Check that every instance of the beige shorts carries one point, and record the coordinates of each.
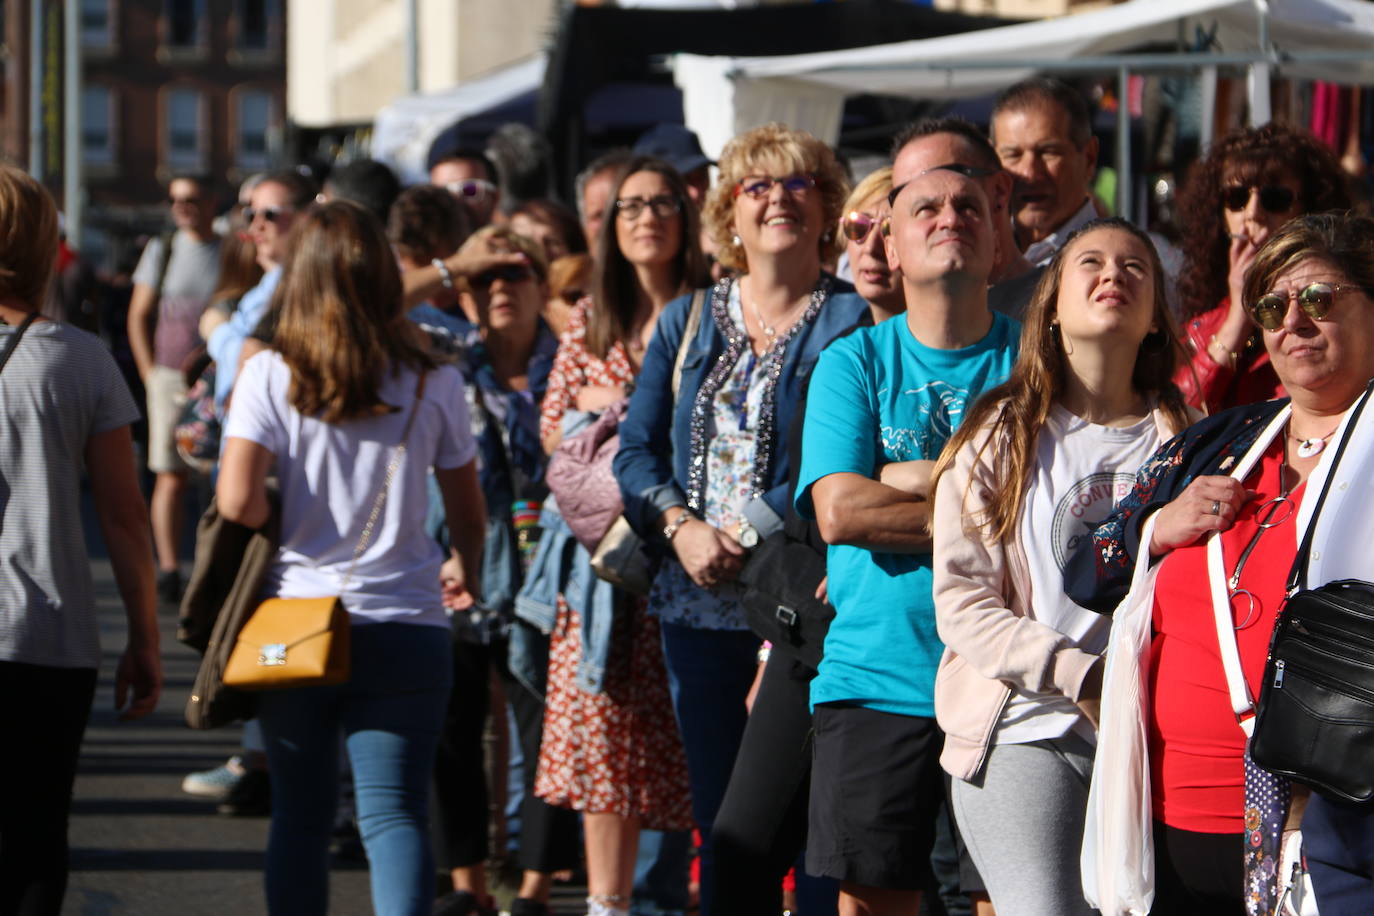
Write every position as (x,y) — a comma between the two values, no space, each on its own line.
(166,396)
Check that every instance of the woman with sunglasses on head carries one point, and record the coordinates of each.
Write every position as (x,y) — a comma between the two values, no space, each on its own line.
(1242,473)
(722,484)
(1037,463)
(611,748)
(1252,181)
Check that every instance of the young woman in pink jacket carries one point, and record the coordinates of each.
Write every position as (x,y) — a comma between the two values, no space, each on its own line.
(1036,465)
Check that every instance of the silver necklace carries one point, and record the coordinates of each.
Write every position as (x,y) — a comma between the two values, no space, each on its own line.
(769,330)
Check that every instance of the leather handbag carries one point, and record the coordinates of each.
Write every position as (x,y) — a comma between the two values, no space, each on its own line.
(779,596)
(622,559)
(580,477)
(304,642)
(1315,719)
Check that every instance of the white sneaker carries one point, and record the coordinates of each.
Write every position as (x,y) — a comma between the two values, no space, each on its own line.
(216,783)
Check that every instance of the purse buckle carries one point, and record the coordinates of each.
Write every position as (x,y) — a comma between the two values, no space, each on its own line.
(272,655)
(786,615)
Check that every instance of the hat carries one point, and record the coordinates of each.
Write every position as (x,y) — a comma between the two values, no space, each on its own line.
(676,144)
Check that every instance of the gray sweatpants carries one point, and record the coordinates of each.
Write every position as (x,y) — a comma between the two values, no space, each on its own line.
(1023,825)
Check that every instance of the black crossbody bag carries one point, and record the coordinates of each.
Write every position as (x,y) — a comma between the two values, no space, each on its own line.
(779,593)
(1315,717)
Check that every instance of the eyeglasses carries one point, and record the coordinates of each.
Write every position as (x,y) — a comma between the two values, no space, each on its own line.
(1315,300)
(571,294)
(758,186)
(471,188)
(857,225)
(1272,197)
(271,214)
(510,273)
(968,171)
(183,200)
(662,206)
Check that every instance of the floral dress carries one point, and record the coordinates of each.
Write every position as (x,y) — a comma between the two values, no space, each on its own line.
(617,751)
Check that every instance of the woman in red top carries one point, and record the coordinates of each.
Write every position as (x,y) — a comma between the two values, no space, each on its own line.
(1252,182)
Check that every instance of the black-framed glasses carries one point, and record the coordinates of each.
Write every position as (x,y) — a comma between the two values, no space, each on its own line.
(968,171)
(271,214)
(1272,197)
(1315,299)
(856,225)
(757,187)
(471,188)
(509,273)
(663,206)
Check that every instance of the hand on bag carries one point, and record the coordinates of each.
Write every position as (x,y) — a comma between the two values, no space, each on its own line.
(453,587)
(139,671)
(709,555)
(1207,504)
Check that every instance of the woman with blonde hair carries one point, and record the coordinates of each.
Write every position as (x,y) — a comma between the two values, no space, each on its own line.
(1036,464)
(722,485)
(65,409)
(350,414)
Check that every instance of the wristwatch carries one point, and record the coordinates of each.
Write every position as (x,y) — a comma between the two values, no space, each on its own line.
(748,536)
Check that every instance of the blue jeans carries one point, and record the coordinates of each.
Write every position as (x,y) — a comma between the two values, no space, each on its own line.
(1339,843)
(389,712)
(709,673)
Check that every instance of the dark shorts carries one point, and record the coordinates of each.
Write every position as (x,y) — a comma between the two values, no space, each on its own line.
(876,788)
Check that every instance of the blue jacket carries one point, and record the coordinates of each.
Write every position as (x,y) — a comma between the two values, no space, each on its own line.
(655,436)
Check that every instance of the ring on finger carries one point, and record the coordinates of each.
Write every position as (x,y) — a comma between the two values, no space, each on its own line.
(1216,507)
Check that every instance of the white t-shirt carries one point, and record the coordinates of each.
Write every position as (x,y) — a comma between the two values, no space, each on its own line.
(1082,471)
(329,477)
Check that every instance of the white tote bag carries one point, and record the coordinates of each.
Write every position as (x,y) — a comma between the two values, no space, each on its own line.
(1118,860)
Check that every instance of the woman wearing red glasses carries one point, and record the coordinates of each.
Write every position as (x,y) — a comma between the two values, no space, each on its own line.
(702,467)
(1252,182)
(864,226)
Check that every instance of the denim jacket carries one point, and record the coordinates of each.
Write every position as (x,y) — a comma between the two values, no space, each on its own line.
(656,436)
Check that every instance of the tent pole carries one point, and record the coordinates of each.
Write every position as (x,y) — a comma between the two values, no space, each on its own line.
(1207,107)
(1123,144)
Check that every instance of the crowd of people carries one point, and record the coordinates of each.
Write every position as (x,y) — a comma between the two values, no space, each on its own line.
(954,399)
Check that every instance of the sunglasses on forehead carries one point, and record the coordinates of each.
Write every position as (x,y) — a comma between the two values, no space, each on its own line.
(968,171)
(1272,197)
(1315,299)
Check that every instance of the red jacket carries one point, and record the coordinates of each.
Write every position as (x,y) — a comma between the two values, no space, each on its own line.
(1212,386)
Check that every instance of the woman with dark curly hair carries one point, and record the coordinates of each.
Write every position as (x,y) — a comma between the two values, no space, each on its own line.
(1254,179)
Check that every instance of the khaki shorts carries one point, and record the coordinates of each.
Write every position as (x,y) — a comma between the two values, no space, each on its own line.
(166,396)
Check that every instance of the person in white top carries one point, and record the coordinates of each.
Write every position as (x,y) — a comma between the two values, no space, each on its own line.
(1038,463)
(325,410)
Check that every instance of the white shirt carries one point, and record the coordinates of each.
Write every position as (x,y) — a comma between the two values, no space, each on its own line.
(1082,470)
(1039,253)
(329,476)
(1345,529)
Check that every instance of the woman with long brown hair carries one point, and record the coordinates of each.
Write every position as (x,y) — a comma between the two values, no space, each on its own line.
(1038,462)
(346,406)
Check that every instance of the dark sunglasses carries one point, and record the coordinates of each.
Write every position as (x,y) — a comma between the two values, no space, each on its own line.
(183,200)
(1274,198)
(510,273)
(968,171)
(758,186)
(271,214)
(1315,300)
(663,206)
(856,226)
(571,294)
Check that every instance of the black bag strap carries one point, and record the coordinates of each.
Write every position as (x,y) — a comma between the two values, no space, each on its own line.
(14,338)
(1297,577)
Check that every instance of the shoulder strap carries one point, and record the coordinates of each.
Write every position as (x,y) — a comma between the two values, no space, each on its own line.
(1297,577)
(14,338)
(689,332)
(167,239)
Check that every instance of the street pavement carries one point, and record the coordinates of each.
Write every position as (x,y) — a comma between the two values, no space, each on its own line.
(142,847)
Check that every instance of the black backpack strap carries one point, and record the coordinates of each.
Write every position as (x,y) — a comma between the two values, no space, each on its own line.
(14,338)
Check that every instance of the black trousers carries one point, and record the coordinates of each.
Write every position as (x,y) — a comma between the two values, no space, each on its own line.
(43,713)
(1197,874)
(549,838)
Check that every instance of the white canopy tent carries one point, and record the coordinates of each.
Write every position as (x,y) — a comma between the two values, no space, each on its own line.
(405,129)
(1314,39)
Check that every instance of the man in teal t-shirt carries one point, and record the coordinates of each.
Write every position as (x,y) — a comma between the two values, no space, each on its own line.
(882,403)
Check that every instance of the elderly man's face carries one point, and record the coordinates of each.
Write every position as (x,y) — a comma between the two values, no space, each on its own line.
(1051,172)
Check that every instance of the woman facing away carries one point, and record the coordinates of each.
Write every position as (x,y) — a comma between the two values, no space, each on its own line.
(1038,463)
(65,409)
(327,410)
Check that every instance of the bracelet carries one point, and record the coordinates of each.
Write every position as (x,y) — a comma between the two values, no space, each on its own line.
(677,523)
(446,275)
(1232,357)
(765,650)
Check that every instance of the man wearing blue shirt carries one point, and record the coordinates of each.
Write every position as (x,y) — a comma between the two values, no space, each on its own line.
(881,406)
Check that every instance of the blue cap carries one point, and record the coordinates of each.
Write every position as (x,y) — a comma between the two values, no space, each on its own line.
(675,144)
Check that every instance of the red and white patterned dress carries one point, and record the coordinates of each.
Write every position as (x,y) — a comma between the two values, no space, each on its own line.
(617,751)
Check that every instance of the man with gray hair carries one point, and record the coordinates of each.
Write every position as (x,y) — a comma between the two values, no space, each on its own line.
(593,188)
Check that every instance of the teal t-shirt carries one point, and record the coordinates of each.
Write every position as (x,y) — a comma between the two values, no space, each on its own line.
(879,396)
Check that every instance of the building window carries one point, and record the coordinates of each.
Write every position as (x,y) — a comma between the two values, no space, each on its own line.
(184,23)
(253,119)
(259,24)
(96,23)
(185,129)
(97,125)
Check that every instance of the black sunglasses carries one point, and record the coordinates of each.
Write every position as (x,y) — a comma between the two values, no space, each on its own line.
(1272,197)
(968,171)
(571,294)
(271,214)
(510,273)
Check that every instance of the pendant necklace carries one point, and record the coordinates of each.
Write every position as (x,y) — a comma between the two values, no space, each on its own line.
(1308,448)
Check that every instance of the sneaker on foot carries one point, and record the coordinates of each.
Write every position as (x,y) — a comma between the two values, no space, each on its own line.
(216,783)
(250,797)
